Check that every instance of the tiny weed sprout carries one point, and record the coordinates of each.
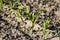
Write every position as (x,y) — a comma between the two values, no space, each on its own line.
(45,24)
(19,12)
(32,16)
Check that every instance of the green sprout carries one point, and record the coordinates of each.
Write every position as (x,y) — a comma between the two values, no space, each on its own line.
(12,4)
(1,4)
(19,12)
(45,24)
(32,16)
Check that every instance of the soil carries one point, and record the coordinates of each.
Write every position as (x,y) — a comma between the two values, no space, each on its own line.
(12,28)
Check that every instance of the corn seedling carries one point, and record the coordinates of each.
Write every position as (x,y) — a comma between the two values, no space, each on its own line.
(12,4)
(32,16)
(19,12)
(45,24)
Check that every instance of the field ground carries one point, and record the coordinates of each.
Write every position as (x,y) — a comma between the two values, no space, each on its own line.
(12,26)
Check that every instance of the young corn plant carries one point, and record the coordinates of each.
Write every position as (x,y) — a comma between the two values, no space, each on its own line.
(32,16)
(45,24)
(19,12)
(12,5)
